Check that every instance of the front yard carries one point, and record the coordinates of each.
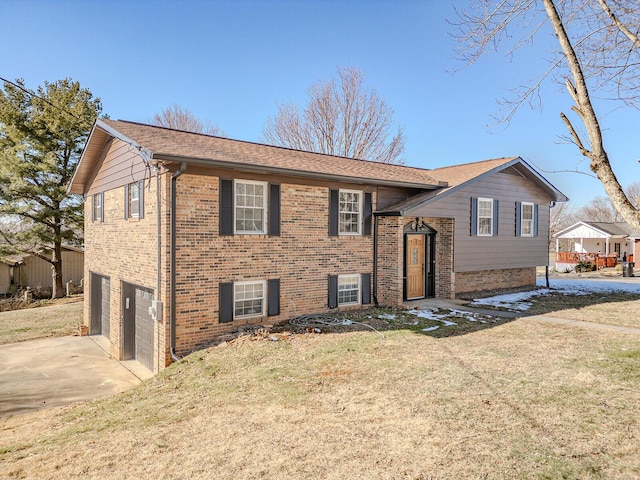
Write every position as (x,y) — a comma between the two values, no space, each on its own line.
(517,400)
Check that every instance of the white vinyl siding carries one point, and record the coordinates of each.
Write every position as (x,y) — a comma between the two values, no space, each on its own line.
(526,220)
(248,299)
(485,216)
(250,200)
(348,289)
(350,213)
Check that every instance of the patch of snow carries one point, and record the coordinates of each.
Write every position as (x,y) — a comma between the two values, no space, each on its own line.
(518,301)
(431,329)
(387,316)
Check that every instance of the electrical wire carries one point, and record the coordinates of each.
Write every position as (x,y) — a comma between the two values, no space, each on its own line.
(20,87)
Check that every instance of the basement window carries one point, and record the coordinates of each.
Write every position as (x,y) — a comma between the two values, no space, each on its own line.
(248,299)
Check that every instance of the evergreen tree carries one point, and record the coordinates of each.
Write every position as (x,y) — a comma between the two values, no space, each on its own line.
(42,134)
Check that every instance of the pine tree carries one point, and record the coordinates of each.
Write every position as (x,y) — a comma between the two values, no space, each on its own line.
(42,134)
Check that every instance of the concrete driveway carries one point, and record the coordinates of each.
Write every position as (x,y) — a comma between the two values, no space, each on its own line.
(57,371)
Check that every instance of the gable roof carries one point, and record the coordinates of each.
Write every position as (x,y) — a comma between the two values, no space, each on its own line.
(458,176)
(167,145)
(606,229)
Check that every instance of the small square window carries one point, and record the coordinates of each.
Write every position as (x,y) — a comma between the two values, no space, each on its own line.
(348,289)
(248,299)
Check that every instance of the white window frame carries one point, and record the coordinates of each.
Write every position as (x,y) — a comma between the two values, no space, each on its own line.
(348,212)
(350,278)
(98,217)
(134,212)
(265,188)
(524,221)
(490,217)
(262,298)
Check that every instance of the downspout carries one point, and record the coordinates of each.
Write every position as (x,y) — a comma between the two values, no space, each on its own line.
(375,260)
(172,234)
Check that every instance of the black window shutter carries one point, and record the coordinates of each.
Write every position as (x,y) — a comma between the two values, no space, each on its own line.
(141,199)
(273,297)
(126,201)
(93,207)
(496,215)
(101,206)
(366,288)
(518,219)
(368,210)
(226,207)
(474,216)
(274,209)
(333,291)
(334,204)
(535,220)
(226,302)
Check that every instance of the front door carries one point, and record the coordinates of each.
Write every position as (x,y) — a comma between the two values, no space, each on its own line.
(415,266)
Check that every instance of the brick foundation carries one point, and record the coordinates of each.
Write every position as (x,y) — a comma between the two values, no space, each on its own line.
(466,282)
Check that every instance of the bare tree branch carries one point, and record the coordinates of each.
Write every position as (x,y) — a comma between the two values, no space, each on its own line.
(343,117)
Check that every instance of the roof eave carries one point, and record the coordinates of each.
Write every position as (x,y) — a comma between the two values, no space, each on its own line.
(78,182)
(207,162)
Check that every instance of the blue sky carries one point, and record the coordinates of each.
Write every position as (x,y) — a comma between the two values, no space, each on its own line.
(233,62)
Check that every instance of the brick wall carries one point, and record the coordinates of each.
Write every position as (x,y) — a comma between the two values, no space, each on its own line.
(301,257)
(390,268)
(391,257)
(124,250)
(444,254)
(492,279)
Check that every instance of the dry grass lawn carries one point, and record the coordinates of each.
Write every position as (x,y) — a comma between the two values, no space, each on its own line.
(520,400)
(60,318)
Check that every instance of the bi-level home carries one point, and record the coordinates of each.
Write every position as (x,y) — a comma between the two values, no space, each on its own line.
(188,236)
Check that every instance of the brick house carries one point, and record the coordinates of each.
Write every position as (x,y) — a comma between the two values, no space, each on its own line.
(188,236)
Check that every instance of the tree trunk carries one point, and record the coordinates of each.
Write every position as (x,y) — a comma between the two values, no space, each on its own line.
(598,158)
(56,267)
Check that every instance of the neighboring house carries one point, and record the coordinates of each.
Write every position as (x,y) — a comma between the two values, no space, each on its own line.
(603,244)
(21,271)
(188,236)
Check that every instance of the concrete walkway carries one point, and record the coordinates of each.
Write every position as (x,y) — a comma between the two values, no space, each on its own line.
(57,371)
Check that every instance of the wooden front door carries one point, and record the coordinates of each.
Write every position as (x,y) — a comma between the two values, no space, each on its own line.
(415,266)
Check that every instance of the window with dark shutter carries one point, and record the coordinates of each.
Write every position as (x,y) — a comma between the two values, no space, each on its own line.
(518,219)
(366,288)
(474,216)
(334,203)
(494,230)
(226,302)
(274,209)
(333,291)
(367,213)
(226,207)
(273,297)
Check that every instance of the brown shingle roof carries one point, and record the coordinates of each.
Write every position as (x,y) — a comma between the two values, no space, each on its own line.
(175,145)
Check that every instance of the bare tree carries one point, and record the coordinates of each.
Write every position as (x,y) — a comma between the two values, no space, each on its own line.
(599,51)
(600,209)
(343,117)
(180,118)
